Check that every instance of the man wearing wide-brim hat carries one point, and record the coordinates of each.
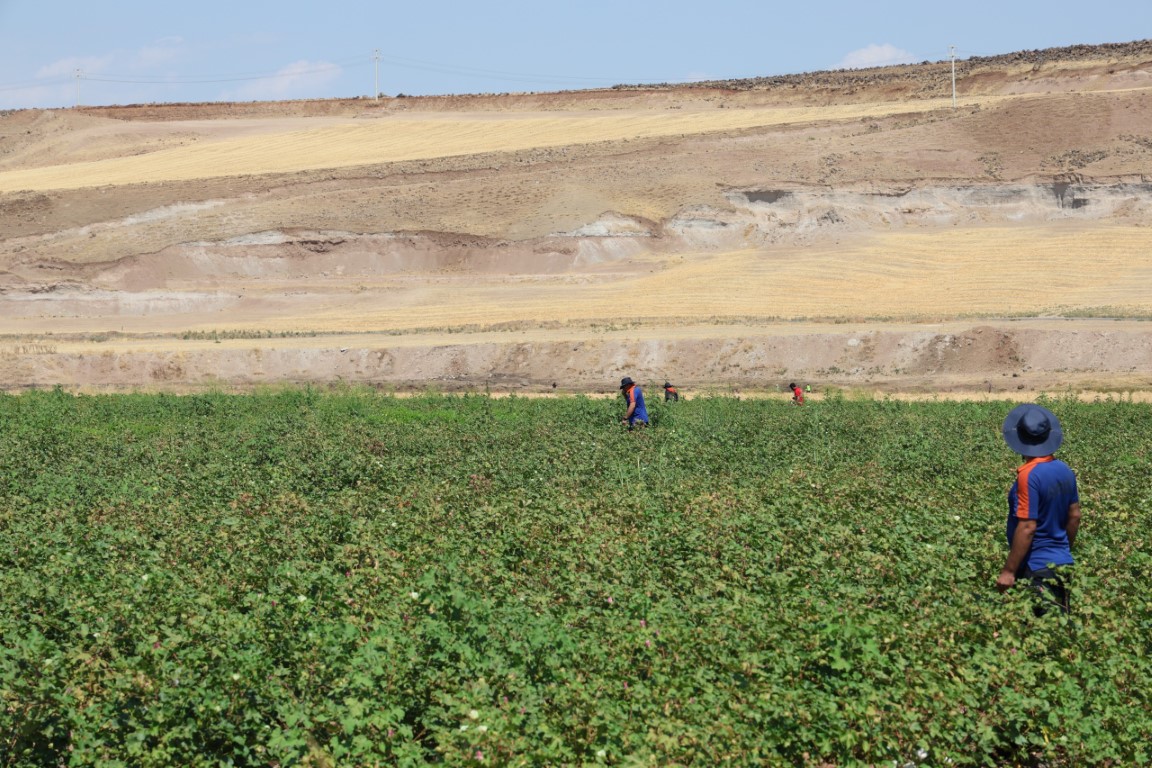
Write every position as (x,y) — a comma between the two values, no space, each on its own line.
(1043,507)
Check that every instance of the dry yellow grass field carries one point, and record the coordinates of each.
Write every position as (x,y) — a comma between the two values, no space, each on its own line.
(284,148)
(984,272)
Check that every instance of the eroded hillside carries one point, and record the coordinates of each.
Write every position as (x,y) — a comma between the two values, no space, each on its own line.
(682,220)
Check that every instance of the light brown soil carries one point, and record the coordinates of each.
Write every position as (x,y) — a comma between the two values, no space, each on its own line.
(846,229)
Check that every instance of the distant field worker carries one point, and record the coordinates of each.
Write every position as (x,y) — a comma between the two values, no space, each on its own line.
(636,412)
(1043,508)
(797,394)
(671,393)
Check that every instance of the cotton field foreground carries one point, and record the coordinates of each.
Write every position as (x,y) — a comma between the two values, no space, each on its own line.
(347,578)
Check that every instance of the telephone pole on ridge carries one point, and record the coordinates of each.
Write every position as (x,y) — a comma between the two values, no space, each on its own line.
(78,76)
(376,58)
(952,55)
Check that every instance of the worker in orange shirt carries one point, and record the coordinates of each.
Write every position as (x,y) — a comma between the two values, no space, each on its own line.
(636,413)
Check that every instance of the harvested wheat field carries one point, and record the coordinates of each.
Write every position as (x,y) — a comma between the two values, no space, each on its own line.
(282,147)
(853,230)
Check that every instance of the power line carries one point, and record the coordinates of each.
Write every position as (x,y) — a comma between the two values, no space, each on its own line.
(31,85)
(967,53)
(186,80)
(375,59)
(513,76)
(458,69)
(210,78)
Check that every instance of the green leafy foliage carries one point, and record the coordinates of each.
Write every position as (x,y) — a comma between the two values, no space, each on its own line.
(307,578)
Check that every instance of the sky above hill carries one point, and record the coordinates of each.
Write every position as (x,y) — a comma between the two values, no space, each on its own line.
(58,54)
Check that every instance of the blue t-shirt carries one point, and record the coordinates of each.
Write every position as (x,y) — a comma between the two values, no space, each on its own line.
(634,395)
(1044,490)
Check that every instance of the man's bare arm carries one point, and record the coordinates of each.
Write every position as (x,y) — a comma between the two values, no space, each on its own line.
(1073,522)
(1021,542)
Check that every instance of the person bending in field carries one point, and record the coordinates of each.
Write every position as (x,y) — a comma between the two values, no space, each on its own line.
(671,393)
(797,394)
(1043,509)
(636,413)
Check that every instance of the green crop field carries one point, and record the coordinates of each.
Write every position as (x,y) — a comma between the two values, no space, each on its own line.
(352,579)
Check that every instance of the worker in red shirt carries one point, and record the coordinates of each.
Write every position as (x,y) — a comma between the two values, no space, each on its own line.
(797,394)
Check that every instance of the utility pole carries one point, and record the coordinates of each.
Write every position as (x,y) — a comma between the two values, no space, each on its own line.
(376,58)
(952,55)
(78,76)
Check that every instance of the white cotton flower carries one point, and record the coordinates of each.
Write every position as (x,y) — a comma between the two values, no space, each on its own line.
(482,728)
(414,595)
(463,727)
(473,714)
(601,753)
(921,754)
(144,577)
(301,599)
(235,676)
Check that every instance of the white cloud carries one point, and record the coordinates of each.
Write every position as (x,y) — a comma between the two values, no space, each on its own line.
(164,49)
(136,72)
(60,95)
(876,56)
(140,62)
(67,67)
(300,79)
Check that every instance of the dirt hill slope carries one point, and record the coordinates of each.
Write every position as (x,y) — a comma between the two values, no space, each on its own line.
(829,227)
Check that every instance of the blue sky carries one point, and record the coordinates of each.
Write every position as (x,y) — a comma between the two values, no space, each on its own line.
(131,51)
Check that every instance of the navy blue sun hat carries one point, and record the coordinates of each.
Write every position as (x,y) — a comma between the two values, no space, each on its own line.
(1032,430)
(626,382)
